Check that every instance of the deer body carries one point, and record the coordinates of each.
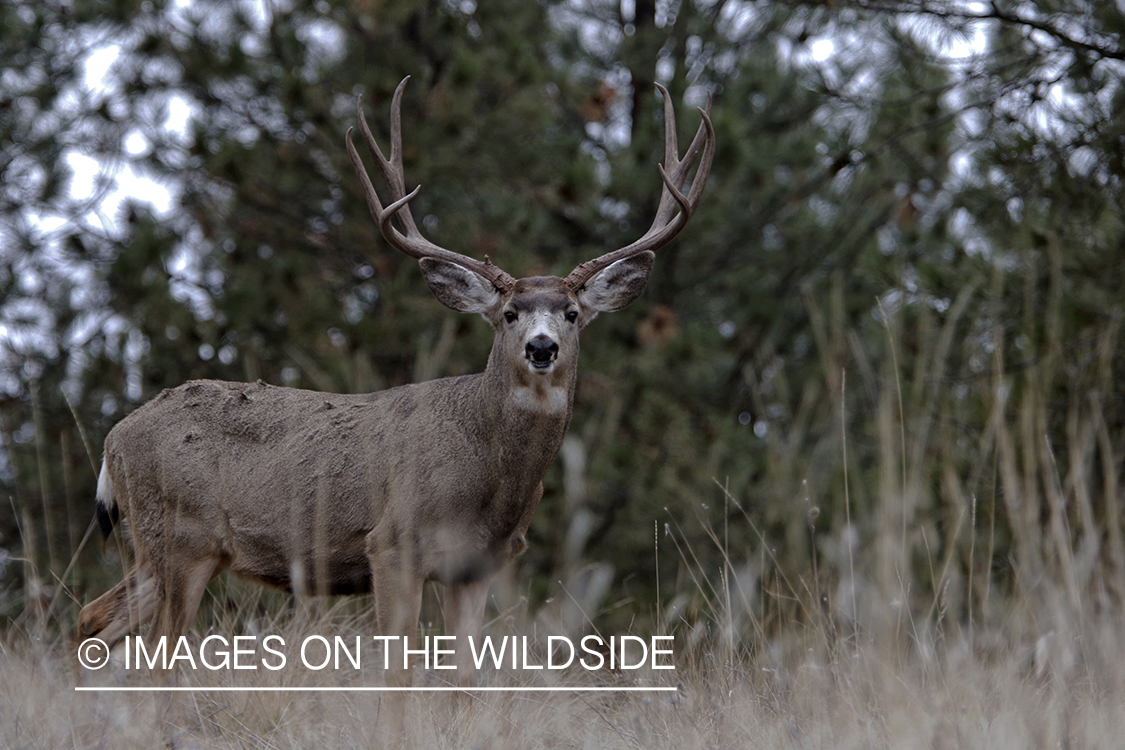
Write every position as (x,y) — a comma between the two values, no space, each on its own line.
(327,493)
(292,488)
(319,493)
(288,485)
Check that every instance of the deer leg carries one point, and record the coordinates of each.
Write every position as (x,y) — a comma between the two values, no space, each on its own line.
(181,594)
(398,603)
(464,616)
(122,609)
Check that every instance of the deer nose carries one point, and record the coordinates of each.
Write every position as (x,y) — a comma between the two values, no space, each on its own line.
(541,350)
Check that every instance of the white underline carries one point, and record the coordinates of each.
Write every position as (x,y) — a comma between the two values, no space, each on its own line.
(435,689)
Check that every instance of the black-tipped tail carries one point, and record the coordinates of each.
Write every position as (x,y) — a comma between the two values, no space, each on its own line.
(105,504)
(107,518)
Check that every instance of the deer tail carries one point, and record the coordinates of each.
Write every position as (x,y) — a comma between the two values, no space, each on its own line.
(105,504)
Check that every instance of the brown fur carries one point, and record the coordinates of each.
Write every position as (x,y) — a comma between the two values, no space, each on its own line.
(329,493)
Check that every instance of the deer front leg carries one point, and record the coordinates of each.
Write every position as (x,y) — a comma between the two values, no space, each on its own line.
(397,606)
(464,617)
(398,602)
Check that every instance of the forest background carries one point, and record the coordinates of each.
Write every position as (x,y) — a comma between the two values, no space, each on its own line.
(873,390)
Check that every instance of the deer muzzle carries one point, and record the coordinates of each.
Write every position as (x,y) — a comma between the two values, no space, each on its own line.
(541,351)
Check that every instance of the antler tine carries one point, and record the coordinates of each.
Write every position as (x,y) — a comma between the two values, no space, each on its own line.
(391,168)
(411,243)
(667,224)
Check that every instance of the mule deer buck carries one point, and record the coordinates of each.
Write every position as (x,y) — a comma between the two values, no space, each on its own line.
(326,493)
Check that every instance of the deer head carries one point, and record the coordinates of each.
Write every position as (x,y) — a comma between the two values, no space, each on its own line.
(536,320)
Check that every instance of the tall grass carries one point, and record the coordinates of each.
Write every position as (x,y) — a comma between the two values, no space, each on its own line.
(950,575)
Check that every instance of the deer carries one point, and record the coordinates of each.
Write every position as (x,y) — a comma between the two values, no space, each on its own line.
(321,493)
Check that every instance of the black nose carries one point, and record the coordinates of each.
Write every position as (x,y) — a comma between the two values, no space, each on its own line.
(541,350)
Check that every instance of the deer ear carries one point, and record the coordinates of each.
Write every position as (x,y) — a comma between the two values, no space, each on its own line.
(458,287)
(614,287)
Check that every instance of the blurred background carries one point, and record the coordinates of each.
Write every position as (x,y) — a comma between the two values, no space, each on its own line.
(874,386)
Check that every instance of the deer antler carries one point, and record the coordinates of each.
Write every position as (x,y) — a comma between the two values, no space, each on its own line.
(673,172)
(412,242)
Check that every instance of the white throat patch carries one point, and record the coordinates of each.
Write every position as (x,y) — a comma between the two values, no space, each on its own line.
(540,398)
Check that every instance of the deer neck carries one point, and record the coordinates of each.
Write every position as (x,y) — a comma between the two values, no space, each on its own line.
(537,406)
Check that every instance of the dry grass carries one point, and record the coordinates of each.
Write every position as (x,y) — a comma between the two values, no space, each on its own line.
(1066,695)
(961,589)
(823,681)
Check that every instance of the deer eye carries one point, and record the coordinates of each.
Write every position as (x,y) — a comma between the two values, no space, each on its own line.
(509,316)
(571,316)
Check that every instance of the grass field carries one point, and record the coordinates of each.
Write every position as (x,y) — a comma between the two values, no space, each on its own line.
(1004,691)
(961,589)
(1043,670)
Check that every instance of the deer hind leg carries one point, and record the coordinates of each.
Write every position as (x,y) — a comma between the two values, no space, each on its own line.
(181,594)
(122,609)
